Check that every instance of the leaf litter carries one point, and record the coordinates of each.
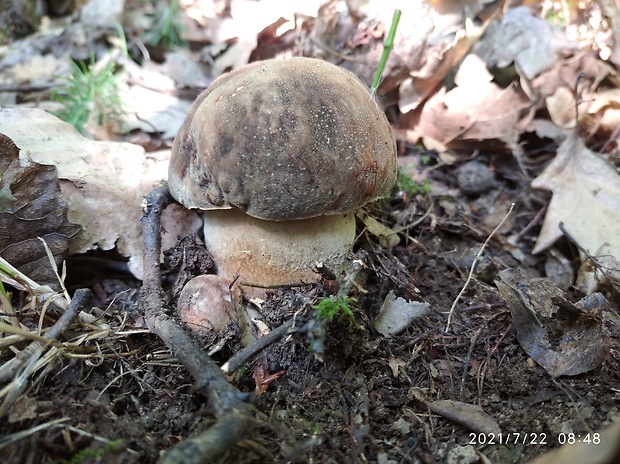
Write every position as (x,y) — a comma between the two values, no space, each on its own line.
(586,192)
(359,404)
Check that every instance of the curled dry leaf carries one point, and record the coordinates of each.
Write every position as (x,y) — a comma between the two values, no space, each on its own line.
(586,200)
(443,33)
(531,43)
(386,236)
(583,66)
(604,112)
(157,109)
(476,109)
(468,415)
(242,26)
(103,183)
(31,207)
(564,338)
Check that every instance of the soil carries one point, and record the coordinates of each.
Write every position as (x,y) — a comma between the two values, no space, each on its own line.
(426,395)
(367,400)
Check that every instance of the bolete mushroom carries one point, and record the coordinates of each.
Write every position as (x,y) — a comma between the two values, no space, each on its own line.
(207,303)
(209,307)
(280,153)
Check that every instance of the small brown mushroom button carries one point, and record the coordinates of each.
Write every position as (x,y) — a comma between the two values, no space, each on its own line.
(280,154)
(206,303)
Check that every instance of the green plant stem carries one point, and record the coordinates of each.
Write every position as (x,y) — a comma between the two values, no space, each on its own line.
(388,45)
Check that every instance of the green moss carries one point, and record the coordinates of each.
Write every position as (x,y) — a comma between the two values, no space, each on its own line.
(88,453)
(329,308)
(407,184)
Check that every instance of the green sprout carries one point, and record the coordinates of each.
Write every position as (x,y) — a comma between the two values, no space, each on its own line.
(329,308)
(167,31)
(388,45)
(89,91)
(558,19)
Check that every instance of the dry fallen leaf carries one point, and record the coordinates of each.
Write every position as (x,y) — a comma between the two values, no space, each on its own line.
(395,364)
(564,338)
(562,108)
(604,112)
(103,183)
(545,129)
(467,415)
(31,207)
(397,314)
(532,43)
(435,64)
(242,25)
(386,236)
(477,109)
(151,103)
(583,66)
(470,416)
(586,200)
(39,70)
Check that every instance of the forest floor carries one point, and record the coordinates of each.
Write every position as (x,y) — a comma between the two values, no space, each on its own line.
(428,394)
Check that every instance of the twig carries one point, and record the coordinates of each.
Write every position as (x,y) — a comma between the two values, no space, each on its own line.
(484,365)
(259,345)
(309,326)
(533,222)
(611,139)
(26,88)
(97,438)
(467,362)
(233,413)
(20,368)
(473,267)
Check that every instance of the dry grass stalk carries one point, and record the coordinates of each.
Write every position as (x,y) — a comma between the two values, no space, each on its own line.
(44,317)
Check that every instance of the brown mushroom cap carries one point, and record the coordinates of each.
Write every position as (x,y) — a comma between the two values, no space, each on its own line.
(205,303)
(284,139)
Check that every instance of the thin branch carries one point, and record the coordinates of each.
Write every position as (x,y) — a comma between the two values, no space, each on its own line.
(228,403)
(473,267)
(21,367)
(259,345)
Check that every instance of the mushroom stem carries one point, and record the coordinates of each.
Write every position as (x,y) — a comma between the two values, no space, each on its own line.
(271,253)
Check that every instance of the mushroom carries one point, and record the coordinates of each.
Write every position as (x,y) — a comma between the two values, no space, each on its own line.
(280,154)
(206,303)
(210,306)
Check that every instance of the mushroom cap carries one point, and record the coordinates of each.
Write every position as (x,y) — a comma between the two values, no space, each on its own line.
(205,304)
(284,139)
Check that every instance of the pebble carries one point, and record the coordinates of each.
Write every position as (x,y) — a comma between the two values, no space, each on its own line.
(474,178)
